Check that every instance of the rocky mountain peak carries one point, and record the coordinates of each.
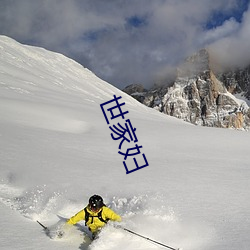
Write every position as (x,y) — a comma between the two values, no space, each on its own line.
(200,96)
(196,64)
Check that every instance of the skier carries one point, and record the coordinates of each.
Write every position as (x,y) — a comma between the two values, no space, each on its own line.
(95,214)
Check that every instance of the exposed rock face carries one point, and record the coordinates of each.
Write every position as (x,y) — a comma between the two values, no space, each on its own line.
(136,90)
(199,97)
(237,81)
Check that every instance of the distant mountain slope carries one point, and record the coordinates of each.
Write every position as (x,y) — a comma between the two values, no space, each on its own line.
(35,68)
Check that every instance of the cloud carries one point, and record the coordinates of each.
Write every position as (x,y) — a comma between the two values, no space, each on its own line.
(233,49)
(228,28)
(125,42)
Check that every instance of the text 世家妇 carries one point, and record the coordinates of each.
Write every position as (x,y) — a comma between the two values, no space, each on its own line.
(124,133)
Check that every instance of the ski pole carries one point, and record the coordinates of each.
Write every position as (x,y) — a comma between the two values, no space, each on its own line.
(45,228)
(150,239)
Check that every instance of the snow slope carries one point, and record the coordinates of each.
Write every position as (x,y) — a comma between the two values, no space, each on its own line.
(56,151)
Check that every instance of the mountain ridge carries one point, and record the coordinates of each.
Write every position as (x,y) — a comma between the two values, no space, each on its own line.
(201,95)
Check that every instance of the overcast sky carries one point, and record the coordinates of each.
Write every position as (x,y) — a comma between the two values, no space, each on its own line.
(131,41)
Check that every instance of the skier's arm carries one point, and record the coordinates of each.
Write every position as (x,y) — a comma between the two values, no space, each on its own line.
(77,217)
(110,214)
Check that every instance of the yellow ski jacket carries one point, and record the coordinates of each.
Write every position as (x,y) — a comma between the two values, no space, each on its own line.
(94,223)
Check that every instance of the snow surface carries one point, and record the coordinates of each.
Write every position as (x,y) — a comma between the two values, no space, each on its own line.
(56,151)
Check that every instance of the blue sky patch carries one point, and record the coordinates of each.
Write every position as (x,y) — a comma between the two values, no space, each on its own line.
(219,17)
(136,21)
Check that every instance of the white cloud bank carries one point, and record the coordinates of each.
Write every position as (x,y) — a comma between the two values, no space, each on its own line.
(130,41)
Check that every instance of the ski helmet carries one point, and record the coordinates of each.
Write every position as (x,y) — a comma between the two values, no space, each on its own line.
(95,202)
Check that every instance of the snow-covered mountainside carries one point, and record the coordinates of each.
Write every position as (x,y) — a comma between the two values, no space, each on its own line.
(200,96)
(56,150)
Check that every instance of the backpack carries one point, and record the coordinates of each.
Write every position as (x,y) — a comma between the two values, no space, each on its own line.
(88,216)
